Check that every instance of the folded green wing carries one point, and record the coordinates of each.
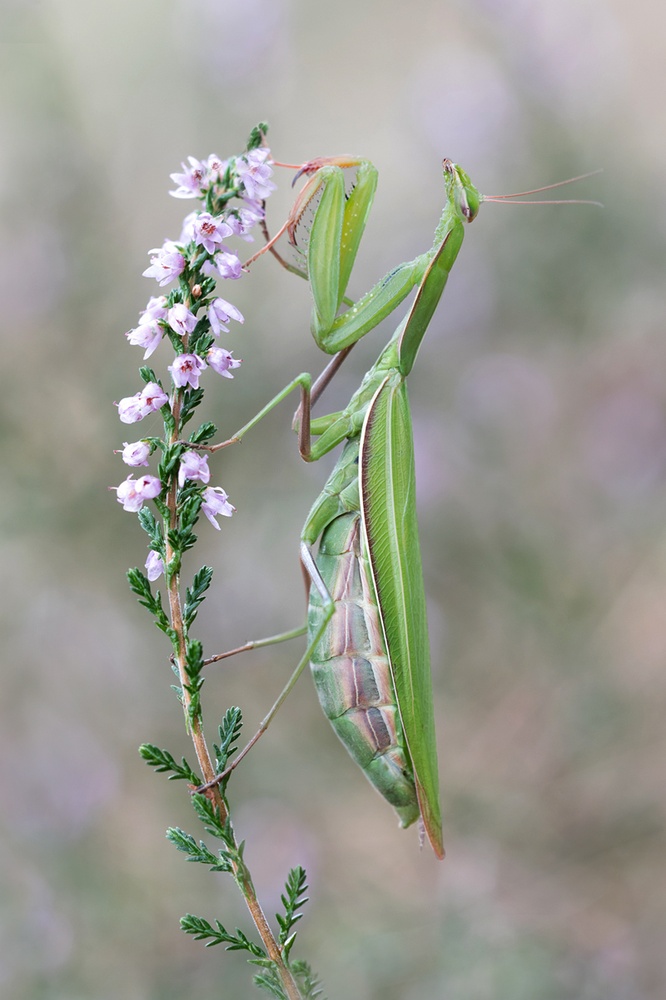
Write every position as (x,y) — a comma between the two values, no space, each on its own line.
(389,518)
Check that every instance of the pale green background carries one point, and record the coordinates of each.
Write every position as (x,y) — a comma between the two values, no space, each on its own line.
(540,419)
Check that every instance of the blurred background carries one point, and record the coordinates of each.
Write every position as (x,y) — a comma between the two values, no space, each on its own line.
(539,404)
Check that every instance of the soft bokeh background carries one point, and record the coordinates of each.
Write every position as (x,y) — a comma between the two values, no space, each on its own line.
(540,419)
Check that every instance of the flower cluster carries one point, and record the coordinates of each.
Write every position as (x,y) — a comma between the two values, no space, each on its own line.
(191,316)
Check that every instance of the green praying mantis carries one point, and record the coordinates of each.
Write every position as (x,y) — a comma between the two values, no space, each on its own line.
(367,629)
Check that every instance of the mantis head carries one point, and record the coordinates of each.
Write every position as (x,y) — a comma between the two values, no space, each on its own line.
(461,191)
(467,198)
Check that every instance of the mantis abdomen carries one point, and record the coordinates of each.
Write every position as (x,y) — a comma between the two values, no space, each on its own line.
(351,669)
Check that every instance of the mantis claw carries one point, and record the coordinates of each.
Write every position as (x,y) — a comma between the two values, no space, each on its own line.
(343,161)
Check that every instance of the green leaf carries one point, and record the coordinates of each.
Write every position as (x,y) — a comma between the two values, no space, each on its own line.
(308,982)
(271,983)
(198,852)
(203,433)
(209,814)
(202,930)
(269,979)
(148,522)
(191,399)
(194,707)
(256,135)
(292,900)
(162,761)
(170,458)
(140,585)
(229,732)
(194,662)
(195,594)
(200,339)
(189,504)
(287,945)
(148,375)
(162,507)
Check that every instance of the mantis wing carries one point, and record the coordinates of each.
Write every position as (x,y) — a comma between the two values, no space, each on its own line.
(388,509)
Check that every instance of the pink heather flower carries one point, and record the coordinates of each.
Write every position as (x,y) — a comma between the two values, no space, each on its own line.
(255,173)
(132,494)
(138,406)
(186,370)
(226,264)
(242,222)
(156,308)
(193,466)
(166,263)
(126,494)
(148,487)
(215,503)
(192,182)
(220,312)
(154,566)
(216,167)
(221,361)
(148,335)
(154,397)
(252,213)
(136,453)
(181,319)
(131,408)
(210,231)
(234,224)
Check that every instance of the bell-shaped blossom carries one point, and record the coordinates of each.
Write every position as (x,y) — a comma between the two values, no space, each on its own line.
(243,220)
(193,466)
(148,335)
(154,566)
(166,263)
(154,397)
(226,264)
(210,231)
(250,214)
(181,319)
(133,493)
(220,312)
(136,453)
(221,361)
(192,182)
(186,370)
(216,167)
(156,308)
(216,503)
(131,409)
(255,173)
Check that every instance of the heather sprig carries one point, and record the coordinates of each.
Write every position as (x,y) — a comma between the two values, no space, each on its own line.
(186,320)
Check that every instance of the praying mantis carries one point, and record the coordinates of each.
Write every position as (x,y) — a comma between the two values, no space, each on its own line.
(367,629)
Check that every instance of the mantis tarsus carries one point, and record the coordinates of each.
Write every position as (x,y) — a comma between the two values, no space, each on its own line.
(367,629)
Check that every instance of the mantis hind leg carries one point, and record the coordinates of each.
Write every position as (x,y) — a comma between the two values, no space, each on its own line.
(310,567)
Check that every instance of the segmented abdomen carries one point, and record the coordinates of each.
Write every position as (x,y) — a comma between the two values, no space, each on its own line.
(351,669)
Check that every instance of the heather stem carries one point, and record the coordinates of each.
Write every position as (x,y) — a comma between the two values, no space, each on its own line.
(195,725)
